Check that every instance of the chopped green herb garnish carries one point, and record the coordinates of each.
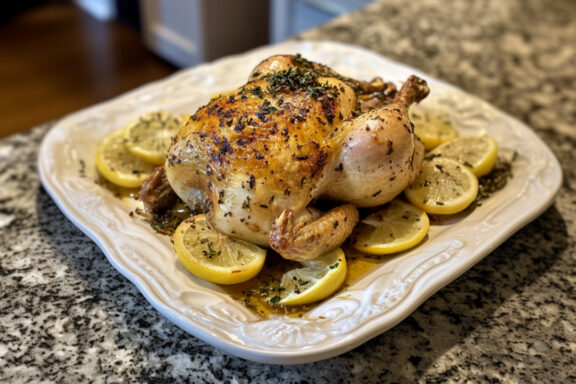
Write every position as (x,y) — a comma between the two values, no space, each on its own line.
(296,79)
(302,62)
(271,109)
(257,91)
(211,251)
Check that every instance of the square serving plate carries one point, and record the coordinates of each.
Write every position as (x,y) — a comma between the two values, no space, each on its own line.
(361,311)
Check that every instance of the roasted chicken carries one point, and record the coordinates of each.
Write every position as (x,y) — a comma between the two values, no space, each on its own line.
(258,157)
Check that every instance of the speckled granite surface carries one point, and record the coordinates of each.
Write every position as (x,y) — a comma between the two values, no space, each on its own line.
(66,315)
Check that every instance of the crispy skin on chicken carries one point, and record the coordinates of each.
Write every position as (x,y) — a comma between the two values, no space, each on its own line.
(261,154)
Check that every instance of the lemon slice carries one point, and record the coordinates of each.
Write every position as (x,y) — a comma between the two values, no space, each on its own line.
(395,228)
(432,129)
(120,166)
(444,186)
(148,137)
(216,257)
(479,153)
(318,279)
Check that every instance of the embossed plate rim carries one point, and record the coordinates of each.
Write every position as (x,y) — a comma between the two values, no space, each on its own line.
(357,314)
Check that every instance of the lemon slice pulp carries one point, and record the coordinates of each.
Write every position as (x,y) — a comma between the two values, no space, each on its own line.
(396,227)
(479,153)
(118,165)
(431,128)
(148,137)
(318,279)
(444,186)
(216,257)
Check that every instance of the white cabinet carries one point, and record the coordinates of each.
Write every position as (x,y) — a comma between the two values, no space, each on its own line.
(173,29)
(188,32)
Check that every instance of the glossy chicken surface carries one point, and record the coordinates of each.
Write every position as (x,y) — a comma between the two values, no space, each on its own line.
(259,156)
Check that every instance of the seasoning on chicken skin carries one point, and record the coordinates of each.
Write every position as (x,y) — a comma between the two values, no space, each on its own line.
(260,155)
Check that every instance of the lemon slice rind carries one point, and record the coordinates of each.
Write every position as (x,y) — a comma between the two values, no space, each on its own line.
(317,280)
(118,165)
(395,228)
(216,257)
(478,152)
(148,137)
(432,129)
(443,187)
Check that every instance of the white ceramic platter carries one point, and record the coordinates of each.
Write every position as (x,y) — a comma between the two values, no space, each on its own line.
(369,307)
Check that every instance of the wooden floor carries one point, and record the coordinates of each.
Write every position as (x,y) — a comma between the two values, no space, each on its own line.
(56,59)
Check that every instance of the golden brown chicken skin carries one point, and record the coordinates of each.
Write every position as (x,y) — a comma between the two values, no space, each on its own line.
(258,156)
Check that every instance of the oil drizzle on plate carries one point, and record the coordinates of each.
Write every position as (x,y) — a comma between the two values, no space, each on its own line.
(255,294)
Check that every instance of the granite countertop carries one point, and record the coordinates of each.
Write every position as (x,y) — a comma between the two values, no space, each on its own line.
(66,315)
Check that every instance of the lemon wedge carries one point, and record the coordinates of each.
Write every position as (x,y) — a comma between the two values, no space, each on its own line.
(431,128)
(216,257)
(444,186)
(118,165)
(148,137)
(479,153)
(318,279)
(396,227)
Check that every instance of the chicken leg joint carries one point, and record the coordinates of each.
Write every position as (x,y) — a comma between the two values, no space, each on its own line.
(309,240)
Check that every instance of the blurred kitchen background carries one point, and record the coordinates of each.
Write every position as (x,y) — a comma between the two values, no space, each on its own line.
(59,56)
